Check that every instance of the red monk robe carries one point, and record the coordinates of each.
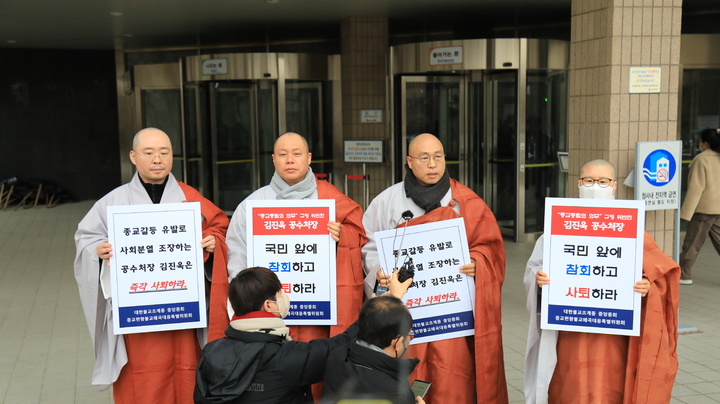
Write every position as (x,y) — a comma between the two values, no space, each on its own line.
(458,367)
(606,368)
(158,361)
(349,273)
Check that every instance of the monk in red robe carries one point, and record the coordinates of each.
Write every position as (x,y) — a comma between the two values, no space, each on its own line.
(461,369)
(577,367)
(294,179)
(157,367)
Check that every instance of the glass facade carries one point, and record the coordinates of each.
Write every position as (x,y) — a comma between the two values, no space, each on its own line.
(545,135)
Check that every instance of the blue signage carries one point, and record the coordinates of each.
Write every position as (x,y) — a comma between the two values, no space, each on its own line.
(309,311)
(447,323)
(619,319)
(159,314)
(659,168)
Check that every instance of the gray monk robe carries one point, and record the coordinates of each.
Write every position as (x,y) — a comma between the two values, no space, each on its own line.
(111,354)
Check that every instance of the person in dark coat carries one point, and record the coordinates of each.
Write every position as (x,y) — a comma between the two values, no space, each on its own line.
(371,367)
(257,361)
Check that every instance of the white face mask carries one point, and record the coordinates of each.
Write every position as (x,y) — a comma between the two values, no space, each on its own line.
(283,304)
(596,192)
(397,354)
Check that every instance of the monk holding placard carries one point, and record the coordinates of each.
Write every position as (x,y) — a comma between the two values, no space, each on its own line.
(583,367)
(152,367)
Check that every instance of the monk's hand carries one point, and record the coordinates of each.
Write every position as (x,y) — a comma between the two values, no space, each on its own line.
(104,250)
(419,400)
(382,278)
(469,269)
(542,278)
(208,243)
(642,287)
(334,229)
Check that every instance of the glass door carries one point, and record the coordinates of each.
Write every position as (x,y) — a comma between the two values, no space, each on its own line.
(545,135)
(305,114)
(160,108)
(476,138)
(197,142)
(240,112)
(501,145)
(434,104)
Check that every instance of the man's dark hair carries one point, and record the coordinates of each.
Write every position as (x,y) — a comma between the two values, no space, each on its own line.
(712,138)
(383,319)
(251,288)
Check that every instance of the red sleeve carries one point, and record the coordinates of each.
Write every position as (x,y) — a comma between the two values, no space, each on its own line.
(215,223)
(488,249)
(652,357)
(350,275)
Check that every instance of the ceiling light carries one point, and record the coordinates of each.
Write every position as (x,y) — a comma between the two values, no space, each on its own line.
(116,14)
(11,41)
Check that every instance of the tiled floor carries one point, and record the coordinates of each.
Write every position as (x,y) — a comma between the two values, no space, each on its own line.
(46,356)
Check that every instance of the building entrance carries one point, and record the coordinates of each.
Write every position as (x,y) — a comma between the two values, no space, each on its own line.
(500,108)
(223,126)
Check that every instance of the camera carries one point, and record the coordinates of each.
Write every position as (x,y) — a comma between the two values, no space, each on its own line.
(406,271)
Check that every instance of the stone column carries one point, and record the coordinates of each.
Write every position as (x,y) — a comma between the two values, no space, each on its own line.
(364,46)
(605,121)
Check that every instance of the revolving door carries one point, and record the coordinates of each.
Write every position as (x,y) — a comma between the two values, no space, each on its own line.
(223,124)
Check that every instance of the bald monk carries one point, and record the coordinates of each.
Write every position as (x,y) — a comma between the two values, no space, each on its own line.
(294,179)
(154,367)
(458,368)
(577,367)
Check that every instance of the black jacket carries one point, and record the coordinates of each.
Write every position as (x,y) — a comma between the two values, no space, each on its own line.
(354,371)
(251,367)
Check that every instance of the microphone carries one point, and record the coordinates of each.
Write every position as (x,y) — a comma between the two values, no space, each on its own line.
(405,272)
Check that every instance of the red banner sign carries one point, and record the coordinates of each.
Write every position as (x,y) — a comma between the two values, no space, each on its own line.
(594,222)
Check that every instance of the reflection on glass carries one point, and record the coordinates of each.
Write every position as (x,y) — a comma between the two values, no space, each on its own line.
(476,136)
(700,109)
(234,145)
(267,135)
(192,138)
(235,184)
(434,107)
(545,135)
(502,161)
(161,109)
(307,115)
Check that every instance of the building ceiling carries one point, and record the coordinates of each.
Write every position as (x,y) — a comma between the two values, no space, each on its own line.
(138,24)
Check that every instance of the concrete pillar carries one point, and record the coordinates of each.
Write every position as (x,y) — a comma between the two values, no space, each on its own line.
(364,47)
(605,121)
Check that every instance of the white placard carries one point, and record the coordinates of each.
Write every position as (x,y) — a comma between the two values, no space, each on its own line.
(442,299)
(644,80)
(156,270)
(657,174)
(371,116)
(363,151)
(451,55)
(214,67)
(593,254)
(291,238)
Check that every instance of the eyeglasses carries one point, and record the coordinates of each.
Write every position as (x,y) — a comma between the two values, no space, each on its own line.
(425,160)
(164,155)
(603,182)
(410,335)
